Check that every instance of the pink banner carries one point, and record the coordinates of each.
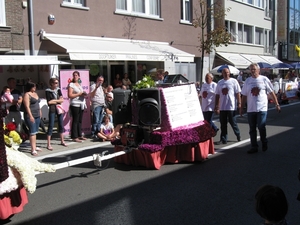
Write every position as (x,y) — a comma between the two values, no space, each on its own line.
(65,77)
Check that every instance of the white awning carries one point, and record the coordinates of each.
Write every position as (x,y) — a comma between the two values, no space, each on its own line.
(29,60)
(236,59)
(98,48)
(254,58)
(270,59)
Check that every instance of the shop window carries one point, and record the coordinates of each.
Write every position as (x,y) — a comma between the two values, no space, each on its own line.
(2,13)
(186,10)
(139,7)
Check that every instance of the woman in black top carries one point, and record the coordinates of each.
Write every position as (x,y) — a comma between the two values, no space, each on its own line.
(54,97)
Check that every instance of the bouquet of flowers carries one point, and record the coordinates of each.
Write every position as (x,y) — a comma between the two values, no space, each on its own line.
(146,82)
(11,136)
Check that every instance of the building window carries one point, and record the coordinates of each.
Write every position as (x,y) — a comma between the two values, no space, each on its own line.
(248,32)
(292,19)
(269,9)
(2,13)
(122,4)
(259,36)
(296,38)
(240,33)
(292,38)
(76,2)
(297,5)
(267,42)
(231,28)
(186,10)
(257,3)
(140,7)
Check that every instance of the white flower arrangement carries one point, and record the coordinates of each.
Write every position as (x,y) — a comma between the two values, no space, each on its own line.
(26,167)
(146,82)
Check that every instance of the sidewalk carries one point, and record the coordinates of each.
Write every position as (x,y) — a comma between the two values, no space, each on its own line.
(58,149)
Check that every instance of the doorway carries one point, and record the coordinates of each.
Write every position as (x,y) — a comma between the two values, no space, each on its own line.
(116,69)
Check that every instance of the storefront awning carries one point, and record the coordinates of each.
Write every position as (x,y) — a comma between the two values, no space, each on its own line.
(270,59)
(98,48)
(235,59)
(254,58)
(30,60)
(261,58)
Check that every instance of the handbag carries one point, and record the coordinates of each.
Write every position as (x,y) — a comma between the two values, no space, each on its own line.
(59,109)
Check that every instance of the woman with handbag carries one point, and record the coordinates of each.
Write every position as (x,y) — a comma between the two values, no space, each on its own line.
(54,100)
(77,106)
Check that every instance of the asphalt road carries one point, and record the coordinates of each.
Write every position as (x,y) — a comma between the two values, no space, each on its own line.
(217,191)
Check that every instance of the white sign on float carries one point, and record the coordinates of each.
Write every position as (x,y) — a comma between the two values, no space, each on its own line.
(183,105)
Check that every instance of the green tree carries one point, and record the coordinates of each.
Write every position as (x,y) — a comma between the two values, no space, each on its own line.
(210,18)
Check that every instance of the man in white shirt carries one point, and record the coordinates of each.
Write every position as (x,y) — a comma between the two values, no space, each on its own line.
(255,92)
(208,95)
(227,98)
(98,104)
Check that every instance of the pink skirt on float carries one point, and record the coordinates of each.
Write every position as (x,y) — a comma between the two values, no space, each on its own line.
(12,203)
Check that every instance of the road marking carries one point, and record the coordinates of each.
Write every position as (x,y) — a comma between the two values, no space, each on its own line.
(234,145)
(73,150)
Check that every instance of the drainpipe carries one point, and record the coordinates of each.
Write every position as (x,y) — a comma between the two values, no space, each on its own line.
(31,30)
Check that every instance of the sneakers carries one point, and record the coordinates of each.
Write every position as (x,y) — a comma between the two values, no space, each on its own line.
(252,150)
(238,138)
(221,142)
(265,147)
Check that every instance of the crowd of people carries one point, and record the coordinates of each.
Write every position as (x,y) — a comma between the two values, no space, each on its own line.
(24,109)
(228,99)
(225,98)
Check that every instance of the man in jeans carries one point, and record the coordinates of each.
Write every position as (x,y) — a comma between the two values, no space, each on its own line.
(228,98)
(255,92)
(98,104)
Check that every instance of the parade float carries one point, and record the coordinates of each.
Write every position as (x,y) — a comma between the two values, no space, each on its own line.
(172,126)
